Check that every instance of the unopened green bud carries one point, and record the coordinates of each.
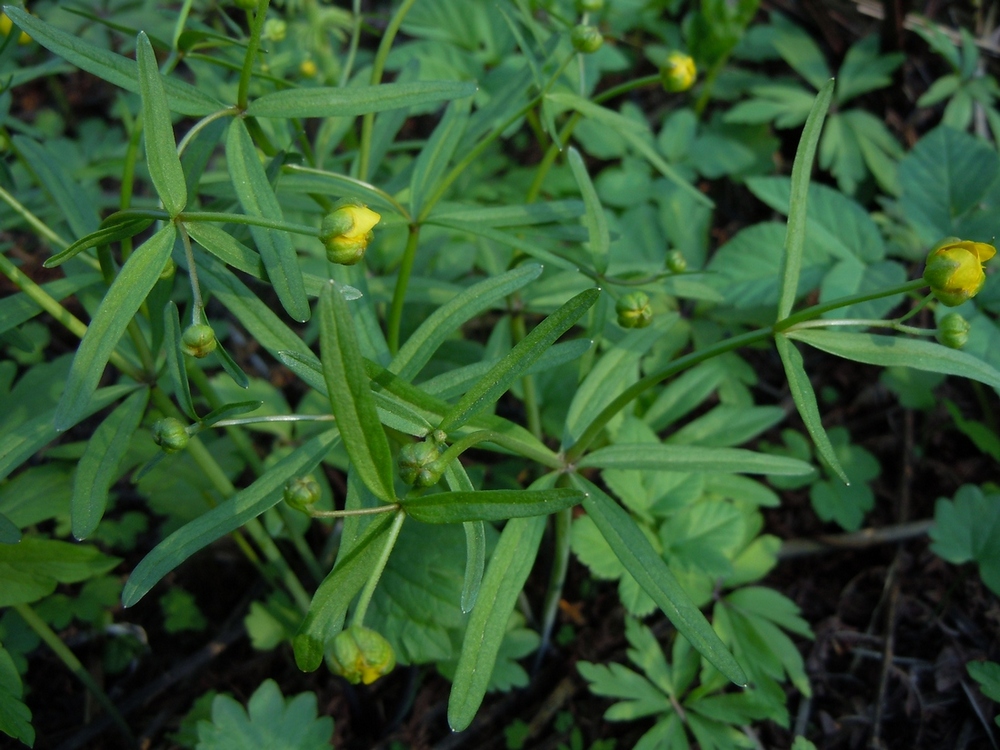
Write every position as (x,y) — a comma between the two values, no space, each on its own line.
(198,340)
(634,310)
(676,262)
(953,330)
(347,231)
(589,6)
(301,492)
(170,435)
(275,29)
(678,72)
(586,38)
(417,465)
(360,654)
(954,269)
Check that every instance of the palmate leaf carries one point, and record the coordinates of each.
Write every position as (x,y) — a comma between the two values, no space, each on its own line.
(965,530)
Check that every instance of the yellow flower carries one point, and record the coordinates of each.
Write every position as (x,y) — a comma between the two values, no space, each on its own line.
(954,269)
(308,69)
(6,25)
(347,231)
(678,72)
(360,654)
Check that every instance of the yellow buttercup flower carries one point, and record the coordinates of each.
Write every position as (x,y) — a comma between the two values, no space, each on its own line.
(347,231)
(954,269)
(678,72)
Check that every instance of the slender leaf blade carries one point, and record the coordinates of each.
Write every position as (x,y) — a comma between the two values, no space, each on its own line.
(489,505)
(356,100)
(102,236)
(594,219)
(684,458)
(436,154)
(175,359)
(120,304)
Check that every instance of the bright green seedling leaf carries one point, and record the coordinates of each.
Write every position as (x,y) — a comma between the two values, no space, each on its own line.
(103,236)
(635,552)
(801,170)
(331,600)
(9,533)
(685,458)
(226,517)
(595,220)
(98,467)
(15,716)
(268,723)
(180,611)
(496,382)
(351,396)
(966,530)
(117,70)
(33,567)
(130,287)
(435,156)
(443,322)
(805,401)
(356,100)
(987,674)
(894,351)
(506,573)
(257,197)
(161,150)
(489,505)
(175,360)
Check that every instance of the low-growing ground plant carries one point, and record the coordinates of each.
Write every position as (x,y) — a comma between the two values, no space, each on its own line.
(407,316)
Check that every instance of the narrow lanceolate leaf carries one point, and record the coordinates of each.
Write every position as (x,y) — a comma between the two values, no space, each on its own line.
(356,100)
(224,518)
(103,236)
(595,220)
(896,351)
(257,198)
(175,360)
(496,382)
(331,600)
(436,154)
(351,397)
(634,551)
(475,539)
(506,573)
(76,206)
(661,457)
(489,505)
(127,291)
(98,467)
(120,71)
(161,150)
(443,322)
(805,401)
(795,235)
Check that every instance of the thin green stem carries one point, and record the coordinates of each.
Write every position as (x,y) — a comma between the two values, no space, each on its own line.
(497,438)
(274,418)
(816,310)
(128,168)
(356,512)
(201,125)
(402,282)
(917,307)
(256,26)
(557,576)
(181,22)
(866,323)
(67,657)
(358,618)
(197,302)
(352,49)
(257,221)
(378,68)
(40,227)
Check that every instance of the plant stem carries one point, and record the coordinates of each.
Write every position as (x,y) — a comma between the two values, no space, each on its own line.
(358,618)
(498,438)
(352,49)
(74,665)
(197,303)
(816,310)
(201,124)
(878,323)
(258,221)
(356,512)
(37,224)
(557,578)
(256,26)
(402,282)
(378,68)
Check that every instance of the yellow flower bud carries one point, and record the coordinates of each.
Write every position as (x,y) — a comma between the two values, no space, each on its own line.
(308,69)
(170,435)
(678,72)
(198,340)
(634,310)
(953,330)
(954,269)
(360,654)
(347,231)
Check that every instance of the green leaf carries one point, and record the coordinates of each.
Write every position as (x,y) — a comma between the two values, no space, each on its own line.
(686,458)
(19,308)
(638,697)
(437,153)
(103,236)
(805,401)
(966,529)
(987,674)
(331,600)
(801,170)
(9,533)
(226,517)
(120,71)
(258,199)
(180,611)
(496,382)
(356,100)
(33,567)
(595,220)
(488,505)
(161,150)
(127,292)
(15,716)
(351,397)
(75,204)
(846,504)
(175,359)
(449,317)
(98,467)
(506,573)
(267,723)
(475,539)
(640,559)
(893,351)
(228,411)
(226,248)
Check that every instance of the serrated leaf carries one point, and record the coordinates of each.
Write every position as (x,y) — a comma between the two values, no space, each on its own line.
(639,696)
(488,505)
(127,292)
(356,100)
(98,467)
(161,150)
(258,199)
(33,567)
(966,529)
